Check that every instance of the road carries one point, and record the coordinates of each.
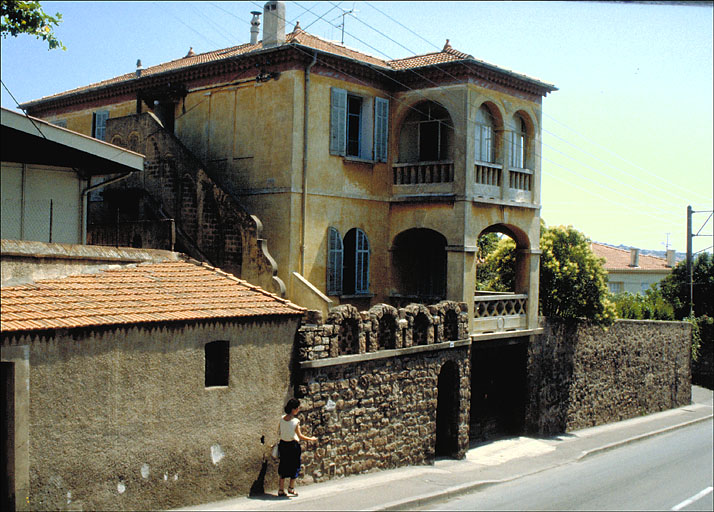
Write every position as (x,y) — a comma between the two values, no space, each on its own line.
(667,472)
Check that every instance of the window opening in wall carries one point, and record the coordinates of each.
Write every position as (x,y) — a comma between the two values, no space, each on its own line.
(484,136)
(348,337)
(354,125)
(99,124)
(217,363)
(387,332)
(421,328)
(356,263)
(517,157)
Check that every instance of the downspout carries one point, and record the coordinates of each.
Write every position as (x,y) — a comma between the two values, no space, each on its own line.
(304,163)
(85,194)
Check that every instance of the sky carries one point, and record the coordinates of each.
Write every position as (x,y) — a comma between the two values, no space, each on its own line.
(627,140)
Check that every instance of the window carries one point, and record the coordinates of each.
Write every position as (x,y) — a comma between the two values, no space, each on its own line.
(426,134)
(62,123)
(334,262)
(616,287)
(348,263)
(484,136)
(217,363)
(517,154)
(358,126)
(99,124)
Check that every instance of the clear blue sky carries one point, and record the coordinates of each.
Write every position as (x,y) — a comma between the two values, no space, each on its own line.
(627,140)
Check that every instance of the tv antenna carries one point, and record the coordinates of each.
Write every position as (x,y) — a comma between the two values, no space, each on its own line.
(351,12)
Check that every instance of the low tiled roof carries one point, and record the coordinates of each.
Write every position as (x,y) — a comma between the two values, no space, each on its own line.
(157,292)
(619,259)
(297,36)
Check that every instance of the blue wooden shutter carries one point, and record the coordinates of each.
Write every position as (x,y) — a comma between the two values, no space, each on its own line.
(381,129)
(361,263)
(100,124)
(334,262)
(338,121)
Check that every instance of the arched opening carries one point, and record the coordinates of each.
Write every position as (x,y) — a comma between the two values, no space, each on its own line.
(420,336)
(419,258)
(387,335)
(451,325)
(426,135)
(348,337)
(447,411)
(489,125)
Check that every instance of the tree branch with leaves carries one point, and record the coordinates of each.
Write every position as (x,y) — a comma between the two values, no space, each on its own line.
(28,18)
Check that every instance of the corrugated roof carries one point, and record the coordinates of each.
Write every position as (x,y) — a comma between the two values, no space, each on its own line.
(297,36)
(619,259)
(156,292)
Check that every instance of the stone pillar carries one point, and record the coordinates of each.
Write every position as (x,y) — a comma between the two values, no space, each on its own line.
(461,276)
(528,281)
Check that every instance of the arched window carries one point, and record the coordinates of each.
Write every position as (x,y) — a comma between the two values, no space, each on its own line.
(356,263)
(518,141)
(426,134)
(334,262)
(484,133)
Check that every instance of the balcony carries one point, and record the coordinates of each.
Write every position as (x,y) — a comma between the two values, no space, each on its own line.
(423,179)
(499,312)
(488,183)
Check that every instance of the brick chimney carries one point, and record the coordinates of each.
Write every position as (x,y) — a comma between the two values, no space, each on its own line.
(634,257)
(273,24)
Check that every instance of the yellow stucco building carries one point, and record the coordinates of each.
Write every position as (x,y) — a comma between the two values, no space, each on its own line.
(372,179)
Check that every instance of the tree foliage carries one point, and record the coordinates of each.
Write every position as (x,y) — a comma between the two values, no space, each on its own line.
(675,287)
(650,306)
(497,271)
(28,18)
(572,279)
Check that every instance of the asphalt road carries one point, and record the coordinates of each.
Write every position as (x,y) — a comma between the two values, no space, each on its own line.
(667,472)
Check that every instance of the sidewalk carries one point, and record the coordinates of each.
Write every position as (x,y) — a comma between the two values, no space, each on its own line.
(488,464)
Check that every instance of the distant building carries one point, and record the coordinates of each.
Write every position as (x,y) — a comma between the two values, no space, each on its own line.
(630,271)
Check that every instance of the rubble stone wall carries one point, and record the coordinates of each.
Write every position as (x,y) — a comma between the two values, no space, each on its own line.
(372,395)
(581,375)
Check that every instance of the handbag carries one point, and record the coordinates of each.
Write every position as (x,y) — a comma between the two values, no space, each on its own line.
(274,451)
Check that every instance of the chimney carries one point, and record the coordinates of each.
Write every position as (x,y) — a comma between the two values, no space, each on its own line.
(255,27)
(634,257)
(671,259)
(273,24)
(138,68)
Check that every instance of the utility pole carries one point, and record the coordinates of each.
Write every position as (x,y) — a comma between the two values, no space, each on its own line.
(689,260)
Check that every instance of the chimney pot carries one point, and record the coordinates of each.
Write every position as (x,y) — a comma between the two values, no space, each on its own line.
(634,257)
(138,68)
(273,24)
(254,27)
(671,258)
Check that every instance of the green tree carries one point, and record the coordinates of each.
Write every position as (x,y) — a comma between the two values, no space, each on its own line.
(675,287)
(572,279)
(29,18)
(650,306)
(497,273)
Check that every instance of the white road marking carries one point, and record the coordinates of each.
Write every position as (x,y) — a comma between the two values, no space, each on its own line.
(694,498)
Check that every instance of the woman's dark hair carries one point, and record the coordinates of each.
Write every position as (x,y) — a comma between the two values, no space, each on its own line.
(292,404)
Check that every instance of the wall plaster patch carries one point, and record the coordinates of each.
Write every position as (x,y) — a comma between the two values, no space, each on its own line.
(217,453)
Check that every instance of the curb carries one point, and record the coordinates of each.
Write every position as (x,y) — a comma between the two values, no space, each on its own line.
(451,492)
(617,444)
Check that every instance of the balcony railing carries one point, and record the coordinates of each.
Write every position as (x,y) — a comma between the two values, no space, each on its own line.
(488,178)
(423,172)
(520,185)
(499,312)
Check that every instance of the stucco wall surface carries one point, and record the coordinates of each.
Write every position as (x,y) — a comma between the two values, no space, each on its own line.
(582,375)
(121,419)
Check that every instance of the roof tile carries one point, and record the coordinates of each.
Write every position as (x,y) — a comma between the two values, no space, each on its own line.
(172,291)
(619,259)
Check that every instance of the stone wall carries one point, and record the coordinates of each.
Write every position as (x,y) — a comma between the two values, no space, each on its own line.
(582,375)
(383,388)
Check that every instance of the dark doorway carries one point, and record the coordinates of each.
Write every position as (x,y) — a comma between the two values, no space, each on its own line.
(420,265)
(7,493)
(447,411)
(498,388)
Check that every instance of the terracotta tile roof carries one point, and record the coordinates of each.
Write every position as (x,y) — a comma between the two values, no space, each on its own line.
(619,259)
(156,292)
(297,36)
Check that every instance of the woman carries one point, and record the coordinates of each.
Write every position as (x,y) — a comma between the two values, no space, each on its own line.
(289,448)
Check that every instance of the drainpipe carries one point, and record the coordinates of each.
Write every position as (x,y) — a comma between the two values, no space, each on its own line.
(304,163)
(86,192)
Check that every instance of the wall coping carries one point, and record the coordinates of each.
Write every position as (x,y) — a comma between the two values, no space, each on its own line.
(382,354)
